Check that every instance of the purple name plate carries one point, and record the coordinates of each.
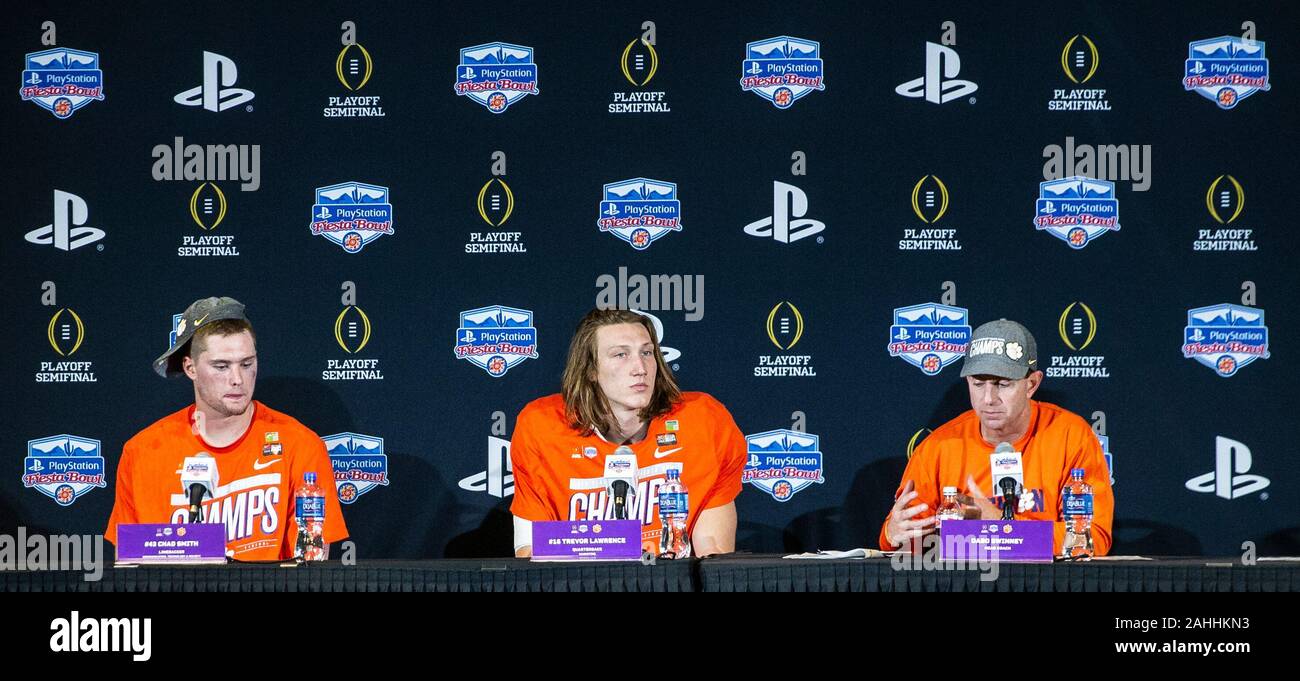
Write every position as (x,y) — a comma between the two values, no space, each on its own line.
(162,543)
(587,540)
(1028,541)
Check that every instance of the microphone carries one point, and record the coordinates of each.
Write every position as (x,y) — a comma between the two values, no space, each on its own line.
(1008,475)
(198,478)
(1010,498)
(620,480)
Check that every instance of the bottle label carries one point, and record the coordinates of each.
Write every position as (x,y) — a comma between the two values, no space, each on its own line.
(310,508)
(672,502)
(1074,505)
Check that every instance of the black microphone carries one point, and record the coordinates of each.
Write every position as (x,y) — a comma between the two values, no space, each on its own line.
(620,480)
(620,499)
(1010,500)
(198,479)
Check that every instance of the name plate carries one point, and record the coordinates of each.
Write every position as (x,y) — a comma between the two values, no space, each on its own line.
(1028,541)
(563,540)
(151,543)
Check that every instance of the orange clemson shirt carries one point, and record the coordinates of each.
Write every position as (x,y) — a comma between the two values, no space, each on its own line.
(254,497)
(559,472)
(1056,442)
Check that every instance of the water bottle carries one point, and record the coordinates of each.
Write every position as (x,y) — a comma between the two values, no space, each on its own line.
(674,508)
(950,508)
(1076,511)
(309,510)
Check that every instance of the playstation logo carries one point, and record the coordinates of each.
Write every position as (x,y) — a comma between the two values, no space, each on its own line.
(611,209)
(66,233)
(216,93)
(468,337)
(1197,336)
(498,480)
(324,213)
(34,80)
(902,334)
(788,201)
(468,74)
(1198,68)
(939,85)
(754,69)
(1049,207)
(1230,479)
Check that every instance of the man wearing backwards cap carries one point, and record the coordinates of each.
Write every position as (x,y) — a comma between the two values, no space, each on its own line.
(1002,373)
(261,455)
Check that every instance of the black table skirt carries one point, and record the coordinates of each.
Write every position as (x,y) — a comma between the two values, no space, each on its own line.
(725,574)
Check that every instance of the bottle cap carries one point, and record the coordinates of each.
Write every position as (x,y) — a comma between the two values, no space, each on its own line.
(949,490)
(310,478)
(1077,473)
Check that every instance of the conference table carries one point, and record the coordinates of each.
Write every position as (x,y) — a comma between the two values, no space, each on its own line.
(730,573)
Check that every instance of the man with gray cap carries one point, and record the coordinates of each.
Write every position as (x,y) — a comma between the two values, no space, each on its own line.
(1002,374)
(262,456)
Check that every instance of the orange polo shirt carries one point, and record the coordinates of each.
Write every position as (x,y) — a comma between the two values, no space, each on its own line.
(256,482)
(558,471)
(1056,442)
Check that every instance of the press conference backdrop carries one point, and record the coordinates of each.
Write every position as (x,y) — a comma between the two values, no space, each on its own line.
(418,202)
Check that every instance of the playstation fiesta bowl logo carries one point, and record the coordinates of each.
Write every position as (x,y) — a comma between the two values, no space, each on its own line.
(62,80)
(352,214)
(640,211)
(782,70)
(359,464)
(63,467)
(496,338)
(783,462)
(929,336)
(496,75)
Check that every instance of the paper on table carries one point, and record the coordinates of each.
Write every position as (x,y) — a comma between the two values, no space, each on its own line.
(1122,558)
(831,555)
(1264,558)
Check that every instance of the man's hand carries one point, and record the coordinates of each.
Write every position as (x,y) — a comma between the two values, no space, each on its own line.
(977,506)
(902,528)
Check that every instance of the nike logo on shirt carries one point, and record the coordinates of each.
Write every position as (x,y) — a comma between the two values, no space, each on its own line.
(666,452)
(259,464)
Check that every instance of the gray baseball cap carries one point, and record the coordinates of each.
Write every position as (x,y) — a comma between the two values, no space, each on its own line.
(200,312)
(1001,348)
